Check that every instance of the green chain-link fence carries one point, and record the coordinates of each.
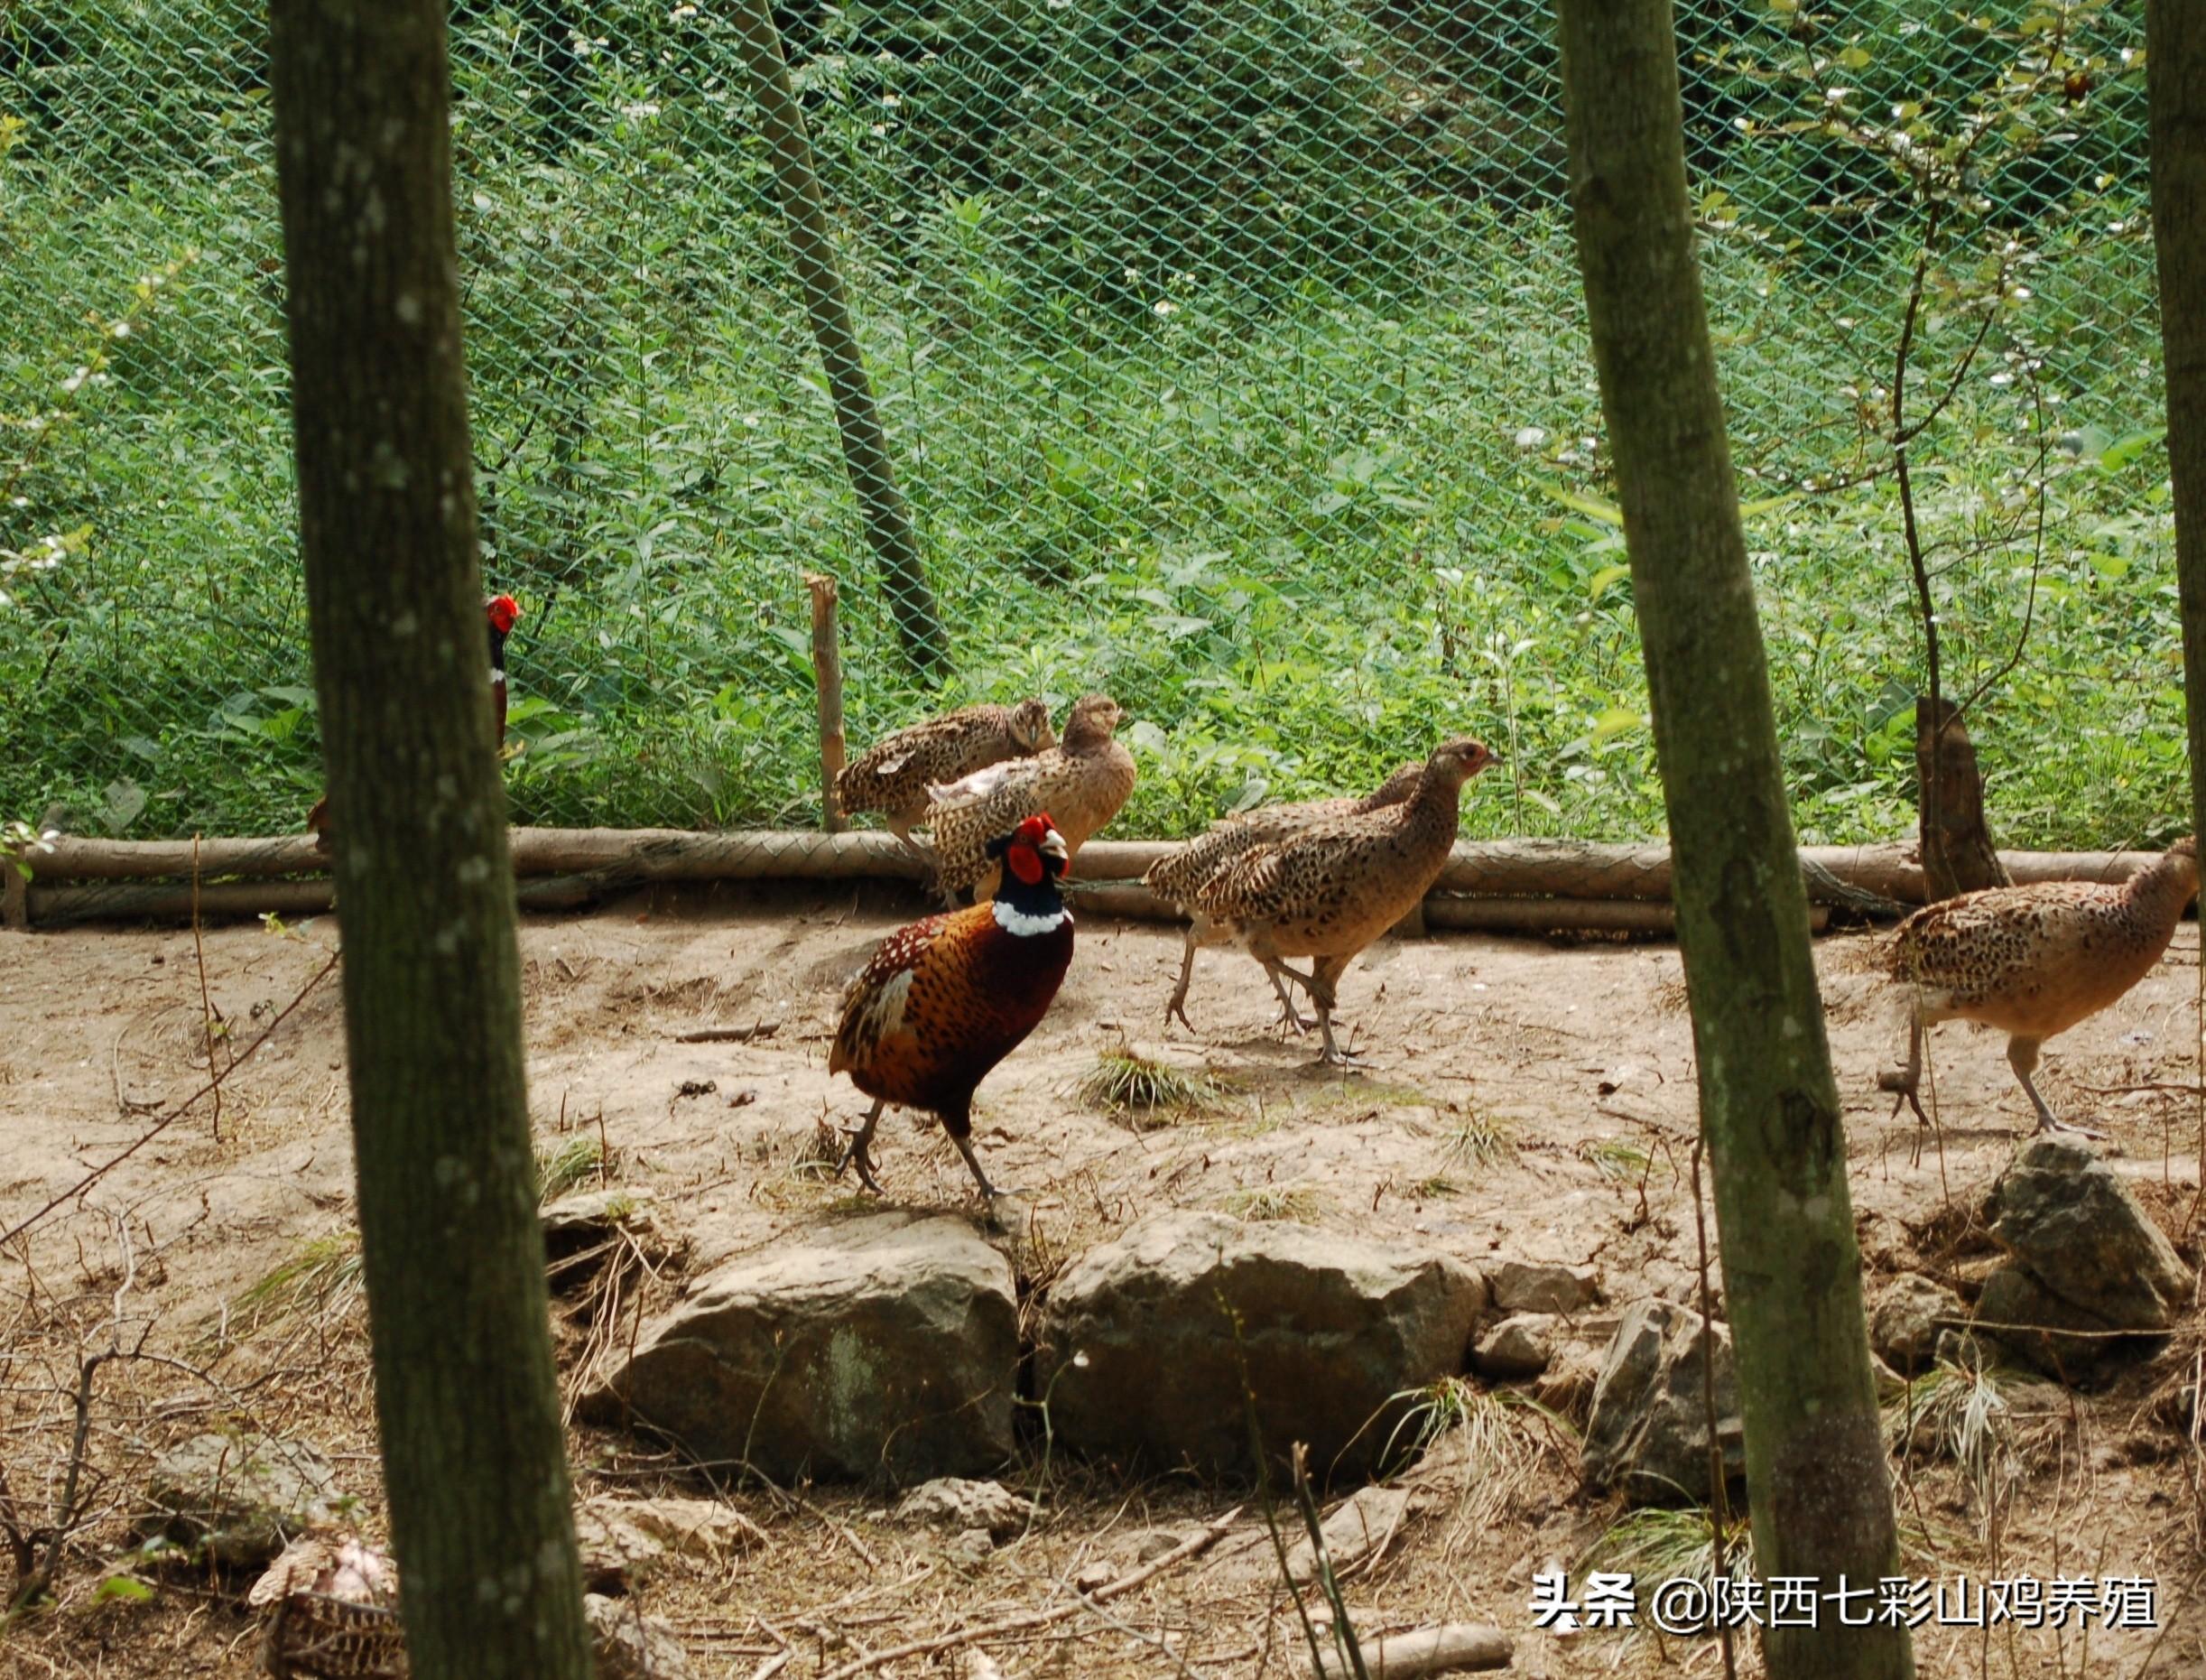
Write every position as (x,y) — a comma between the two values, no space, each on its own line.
(1230,356)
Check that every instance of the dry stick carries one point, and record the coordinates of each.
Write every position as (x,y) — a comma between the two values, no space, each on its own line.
(65,1514)
(827,678)
(1718,1489)
(206,1007)
(1031,1619)
(175,1114)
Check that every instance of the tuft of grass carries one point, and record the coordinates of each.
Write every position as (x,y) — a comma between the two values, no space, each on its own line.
(322,1279)
(1435,1188)
(1141,1087)
(1476,1140)
(1488,1442)
(1276,1201)
(1973,1416)
(560,1170)
(1615,1158)
(1657,1543)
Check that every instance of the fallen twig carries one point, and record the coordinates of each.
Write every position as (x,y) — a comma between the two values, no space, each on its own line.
(1148,1572)
(728,1034)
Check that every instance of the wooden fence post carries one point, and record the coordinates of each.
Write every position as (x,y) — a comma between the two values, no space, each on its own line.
(827,672)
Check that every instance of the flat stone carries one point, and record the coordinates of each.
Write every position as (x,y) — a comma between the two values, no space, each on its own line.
(952,1502)
(239,1499)
(632,1646)
(1542,1286)
(880,1347)
(1154,1343)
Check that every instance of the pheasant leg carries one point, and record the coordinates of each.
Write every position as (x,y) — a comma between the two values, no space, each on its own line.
(2022,1056)
(857,1153)
(1333,1055)
(1178,1006)
(989,1191)
(1289,1015)
(1906,1080)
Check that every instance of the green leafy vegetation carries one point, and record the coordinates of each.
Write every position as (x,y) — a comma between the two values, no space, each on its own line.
(1234,361)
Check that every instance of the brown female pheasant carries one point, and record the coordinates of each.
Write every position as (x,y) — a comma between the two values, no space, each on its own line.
(1083,782)
(944,1001)
(1179,877)
(893,775)
(2033,962)
(503,612)
(1327,890)
(330,1606)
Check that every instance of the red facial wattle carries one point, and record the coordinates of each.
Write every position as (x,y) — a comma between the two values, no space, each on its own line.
(504,613)
(1026,861)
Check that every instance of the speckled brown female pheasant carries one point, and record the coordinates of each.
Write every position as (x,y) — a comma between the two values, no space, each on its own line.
(2034,961)
(1179,877)
(1327,890)
(330,1606)
(1081,782)
(893,775)
(944,1001)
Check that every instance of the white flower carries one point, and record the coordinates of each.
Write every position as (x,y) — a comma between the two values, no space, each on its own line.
(1163,306)
(1530,436)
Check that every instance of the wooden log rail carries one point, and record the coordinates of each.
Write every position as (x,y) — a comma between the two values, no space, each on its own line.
(1517,885)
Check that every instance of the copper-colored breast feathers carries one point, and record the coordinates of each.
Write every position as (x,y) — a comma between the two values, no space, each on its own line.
(893,775)
(942,1002)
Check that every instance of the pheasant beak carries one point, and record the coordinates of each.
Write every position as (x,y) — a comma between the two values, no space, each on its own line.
(1053,846)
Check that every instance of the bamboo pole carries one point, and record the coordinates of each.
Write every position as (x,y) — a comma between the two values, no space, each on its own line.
(864,445)
(827,678)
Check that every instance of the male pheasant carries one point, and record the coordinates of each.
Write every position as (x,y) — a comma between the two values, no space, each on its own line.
(1327,890)
(944,1001)
(503,612)
(2034,961)
(1179,877)
(893,775)
(1083,782)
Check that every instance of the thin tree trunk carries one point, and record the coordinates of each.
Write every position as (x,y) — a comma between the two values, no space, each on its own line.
(2175,77)
(1815,1462)
(473,1458)
(864,446)
(1954,837)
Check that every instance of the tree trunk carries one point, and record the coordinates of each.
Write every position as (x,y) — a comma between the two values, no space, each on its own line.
(1957,855)
(2175,75)
(864,446)
(473,1458)
(1816,1461)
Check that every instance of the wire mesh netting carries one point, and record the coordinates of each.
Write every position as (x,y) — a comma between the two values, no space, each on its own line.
(1226,354)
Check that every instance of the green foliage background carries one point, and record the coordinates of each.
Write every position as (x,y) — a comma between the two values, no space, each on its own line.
(1234,360)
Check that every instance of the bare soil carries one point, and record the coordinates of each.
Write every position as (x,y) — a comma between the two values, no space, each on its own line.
(1527,1099)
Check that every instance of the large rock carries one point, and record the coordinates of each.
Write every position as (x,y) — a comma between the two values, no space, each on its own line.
(1904,1325)
(239,1500)
(883,1346)
(1146,1338)
(1647,1430)
(2068,1220)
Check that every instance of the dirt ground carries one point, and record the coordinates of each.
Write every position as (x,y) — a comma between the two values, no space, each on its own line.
(1527,1099)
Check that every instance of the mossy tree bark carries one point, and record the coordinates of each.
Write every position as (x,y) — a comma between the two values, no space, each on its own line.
(2175,78)
(473,1457)
(864,445)
(1816,1473)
